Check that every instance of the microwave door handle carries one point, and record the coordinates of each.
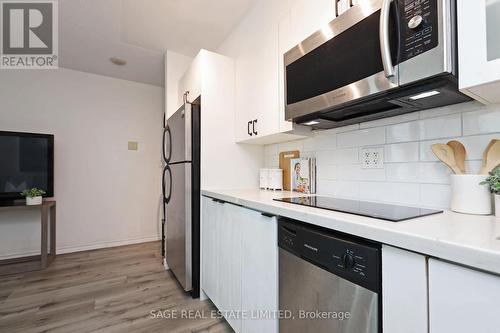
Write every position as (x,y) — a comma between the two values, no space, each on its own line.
(385,46)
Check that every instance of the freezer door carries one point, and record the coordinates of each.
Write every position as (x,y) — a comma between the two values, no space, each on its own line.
(177,139)
(178,249)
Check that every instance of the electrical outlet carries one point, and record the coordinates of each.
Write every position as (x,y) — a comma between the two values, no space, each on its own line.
(372,158)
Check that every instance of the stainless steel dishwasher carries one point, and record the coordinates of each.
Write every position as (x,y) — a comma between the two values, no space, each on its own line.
(328,282)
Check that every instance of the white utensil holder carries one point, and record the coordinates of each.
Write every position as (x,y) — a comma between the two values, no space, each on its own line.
(468,196)
(497,205)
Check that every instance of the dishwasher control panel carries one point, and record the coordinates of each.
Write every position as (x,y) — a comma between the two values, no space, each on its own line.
(349,257)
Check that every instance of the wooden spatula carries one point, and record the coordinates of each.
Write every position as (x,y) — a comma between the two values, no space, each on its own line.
(460,153)
(491,157)
(447,156)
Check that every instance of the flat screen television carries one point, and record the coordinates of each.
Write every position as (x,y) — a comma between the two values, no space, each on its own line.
(26,161)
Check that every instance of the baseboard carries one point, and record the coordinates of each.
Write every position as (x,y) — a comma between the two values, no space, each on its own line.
(85,247)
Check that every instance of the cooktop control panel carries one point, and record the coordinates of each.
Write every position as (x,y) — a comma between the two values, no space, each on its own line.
(349,257)
(419,27)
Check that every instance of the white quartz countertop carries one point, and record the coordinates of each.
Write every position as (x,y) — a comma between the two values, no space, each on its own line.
(465,239)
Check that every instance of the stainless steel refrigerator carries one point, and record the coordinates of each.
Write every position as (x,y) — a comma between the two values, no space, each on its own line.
(181,193)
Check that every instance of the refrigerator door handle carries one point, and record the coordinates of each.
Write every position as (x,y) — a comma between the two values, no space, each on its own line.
(167,133)
(166,199)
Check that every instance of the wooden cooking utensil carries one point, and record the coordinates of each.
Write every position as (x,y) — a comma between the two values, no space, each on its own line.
(285,158)
(447,156)
(485,155)
(491,157)
(460,153)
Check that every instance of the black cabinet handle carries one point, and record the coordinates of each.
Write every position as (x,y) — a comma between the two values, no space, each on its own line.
(218,201)
(253,127)
(267,215)
(248,128)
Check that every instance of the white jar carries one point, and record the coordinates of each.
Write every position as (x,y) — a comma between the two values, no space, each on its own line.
(33,201)
(497,205)
(468,196)
(275,181)
(264,178)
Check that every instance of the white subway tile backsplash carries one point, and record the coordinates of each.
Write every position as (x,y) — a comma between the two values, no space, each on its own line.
(324,157)
(475,145)
(412,174)
(435,196)
(340,189)
(271,161)
(401,152)
(344,129)
(473,167)
(326,172)
(451,109)
(427,129)
(365,137)
(320,142)
(480,122)
(271,149)
(402,172)
(434,173)
(346,156)
(402,193)
(404,132)
(292,145)
(356,172)
(443,127)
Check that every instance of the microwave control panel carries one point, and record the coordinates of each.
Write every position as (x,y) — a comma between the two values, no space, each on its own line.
(419,27)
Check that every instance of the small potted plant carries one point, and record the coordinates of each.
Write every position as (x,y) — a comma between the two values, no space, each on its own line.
(493,181)
(33,196)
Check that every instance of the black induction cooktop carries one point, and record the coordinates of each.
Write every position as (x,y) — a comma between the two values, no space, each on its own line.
(386,212)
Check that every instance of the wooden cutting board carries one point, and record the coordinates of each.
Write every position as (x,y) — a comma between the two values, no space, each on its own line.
(285,158)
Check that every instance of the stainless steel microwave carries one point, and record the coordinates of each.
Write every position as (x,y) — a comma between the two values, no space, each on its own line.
(379,59)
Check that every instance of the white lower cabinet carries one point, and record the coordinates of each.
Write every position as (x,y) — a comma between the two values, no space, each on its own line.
(259,296)
(209,256)
(240,264)
(404,291)
(462,300)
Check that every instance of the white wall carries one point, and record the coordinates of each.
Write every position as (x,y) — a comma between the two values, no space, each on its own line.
(175,66)
(106,195)
(411,174)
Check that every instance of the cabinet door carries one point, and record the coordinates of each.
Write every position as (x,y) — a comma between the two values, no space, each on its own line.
(211,211)
(404,286)
(462,300)
(479,49)
(257,83)
(259,271)
(229,268)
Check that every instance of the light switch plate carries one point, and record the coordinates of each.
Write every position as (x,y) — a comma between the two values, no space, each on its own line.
(372,158)
(133,145)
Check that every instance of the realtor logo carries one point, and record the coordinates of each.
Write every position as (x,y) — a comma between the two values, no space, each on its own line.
(29,34)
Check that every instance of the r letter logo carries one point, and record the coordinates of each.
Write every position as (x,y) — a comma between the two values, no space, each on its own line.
(29,34)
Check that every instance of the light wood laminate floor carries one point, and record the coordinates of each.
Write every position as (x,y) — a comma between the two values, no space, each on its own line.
(110,290)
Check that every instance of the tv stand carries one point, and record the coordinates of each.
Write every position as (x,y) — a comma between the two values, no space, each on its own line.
(47,254)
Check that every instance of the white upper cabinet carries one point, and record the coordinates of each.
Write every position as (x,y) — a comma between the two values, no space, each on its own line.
(258,45)
(479,49)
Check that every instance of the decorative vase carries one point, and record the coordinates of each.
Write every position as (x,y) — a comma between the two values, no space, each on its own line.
(34,201)
(497,205)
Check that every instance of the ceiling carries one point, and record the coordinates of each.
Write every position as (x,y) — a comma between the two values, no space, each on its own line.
(140,31)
